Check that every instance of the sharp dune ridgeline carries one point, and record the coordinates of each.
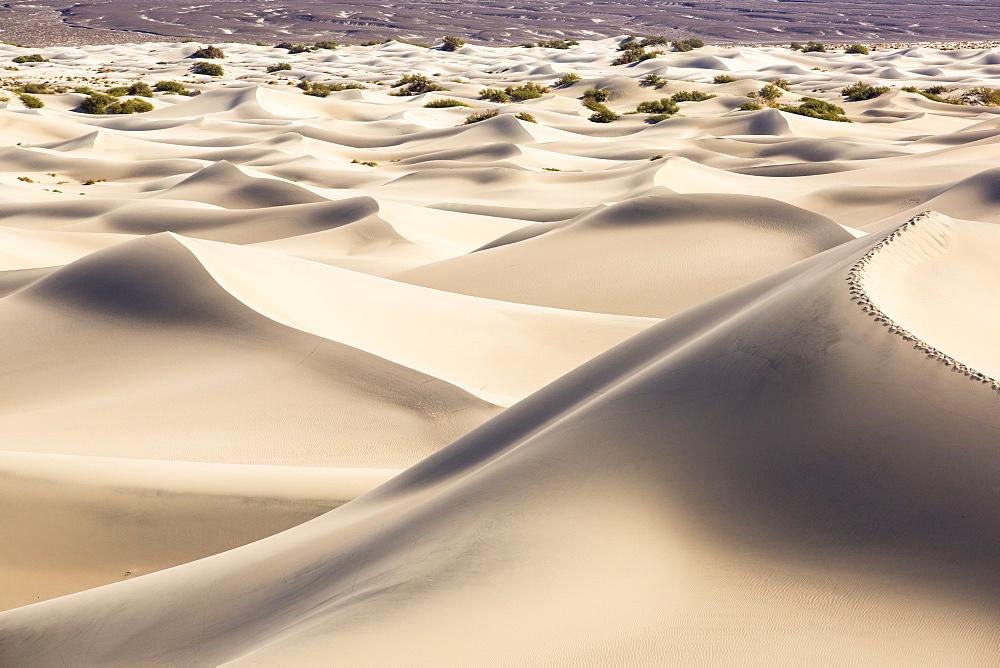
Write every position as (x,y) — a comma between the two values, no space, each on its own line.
(394,355)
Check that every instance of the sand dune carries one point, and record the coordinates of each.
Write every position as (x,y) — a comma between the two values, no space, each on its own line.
(289,377)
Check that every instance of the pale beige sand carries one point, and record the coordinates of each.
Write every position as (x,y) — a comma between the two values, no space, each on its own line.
(691,393)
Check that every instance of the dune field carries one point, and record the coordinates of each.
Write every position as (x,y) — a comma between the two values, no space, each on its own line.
(388,355)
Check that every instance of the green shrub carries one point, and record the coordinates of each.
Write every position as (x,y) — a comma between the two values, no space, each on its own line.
(208,52)
(480,116)
(528,91)
(783,84)
(567,79)
(132,106)
(814,47)
(635,55)
(526,117)
(597,94)
(810,106)
(654,40)
(117,91)
(933,93)
(750,106)
(445,103)
(295,48)
(862,91)
(278,67)
(989,97)
(769,93)
(557,44)
(452,43)
(795,46)
(414,84)
(666,106)
(495,95)
(33,58)
(96,103)
(140,88)
(652,79)
(325,44)
(35,89)
(691,96)
(723,79)
(86,90)
(602,114)
(857,48)
(208,69)
(175,87)
(30,101)
(316,89)
(656,118)
(688,44)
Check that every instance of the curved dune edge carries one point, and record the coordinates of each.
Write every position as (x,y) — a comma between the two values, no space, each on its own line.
(930,231)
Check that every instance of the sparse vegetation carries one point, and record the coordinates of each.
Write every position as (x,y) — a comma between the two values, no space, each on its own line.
(35,89)
(665,107)
(567,79)
(857,48)
(452,43)
(933,93)
(783,84)
(688,44)
(497,95)
(90,182)
(278,67)
(526,117)
(989,97)
(653,79)
(30,101)
(691,96)
(596,94)
(174,87)
(862,91)
(814,47)
(769,93)
(208,52)
(316,89)
(33,58)
(750,105)
(480,116)
(445,103)
(810,106)
(723,79)
(414,84)
(528,91)
(208,69)
(795,46)
(133,106)
(555,44)
(602,114)
(366,163)
(636,55)
(140,88)
(96,103)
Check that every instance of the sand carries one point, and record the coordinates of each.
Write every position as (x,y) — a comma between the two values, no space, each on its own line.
(716,390)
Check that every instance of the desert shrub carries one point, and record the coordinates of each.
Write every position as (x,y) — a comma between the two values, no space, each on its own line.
(688,44)
(132,106)
(33,58)
(810,106)
(208,69)
(316,89)
(862,91)
(989,97)
(596,94)
(567,79)
(557,43)
(653,79)
(857,48)
(35,88)
(452,43)
(654,40)
(96,103)
(630,42)
(937,89)
(497,95)
(656,118)
(445,103)
(373,42)
(30,101)
(90,182)
(795,46)
(526,117)
(480,116)
(691,96)
(933,93)
(278,67)
(666,106)
(295,48)
(769,93)
(528,91)
(325,44)
(414,84)
(86,90)
(602,114)
(208,52)
(634,55)
(723,78)
(814,47)
(175,87)
(783,84)
(117,91)
(140,88)
(366,163)
(750,105)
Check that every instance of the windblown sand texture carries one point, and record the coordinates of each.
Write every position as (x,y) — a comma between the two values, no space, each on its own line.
(710,391)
